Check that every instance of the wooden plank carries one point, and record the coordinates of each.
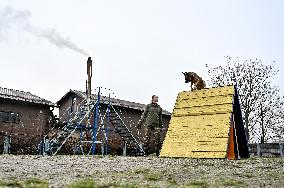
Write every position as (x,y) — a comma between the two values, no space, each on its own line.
(206,135)
(206,110)
(200,154)
(202,119)
(215,119)
(216,154)
(208,101)
(221,91)
(198,146)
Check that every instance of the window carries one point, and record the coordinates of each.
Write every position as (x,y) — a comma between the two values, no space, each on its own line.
(9,117)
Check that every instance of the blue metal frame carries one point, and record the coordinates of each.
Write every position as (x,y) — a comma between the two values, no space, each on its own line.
(96,115)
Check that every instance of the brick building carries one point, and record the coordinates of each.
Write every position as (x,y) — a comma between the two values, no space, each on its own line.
(130,113)
(24,118)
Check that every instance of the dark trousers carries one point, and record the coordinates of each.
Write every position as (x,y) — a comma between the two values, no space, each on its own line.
(156,131)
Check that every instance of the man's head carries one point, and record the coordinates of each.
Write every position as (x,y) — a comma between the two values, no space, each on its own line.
(155,99)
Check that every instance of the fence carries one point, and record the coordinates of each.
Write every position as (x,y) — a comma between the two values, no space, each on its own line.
(266,149)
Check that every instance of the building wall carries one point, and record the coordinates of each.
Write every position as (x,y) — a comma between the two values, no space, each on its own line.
(65,107)
(129,116)
(31,127)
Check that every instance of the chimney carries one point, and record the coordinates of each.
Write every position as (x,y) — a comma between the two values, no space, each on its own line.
(89,80)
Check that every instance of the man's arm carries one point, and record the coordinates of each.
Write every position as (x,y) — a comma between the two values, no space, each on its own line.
(143,116)
(161,118)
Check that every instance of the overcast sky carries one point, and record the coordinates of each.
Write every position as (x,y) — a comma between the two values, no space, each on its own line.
(139,48)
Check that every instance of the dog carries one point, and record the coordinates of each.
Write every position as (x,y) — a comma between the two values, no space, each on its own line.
(195,80)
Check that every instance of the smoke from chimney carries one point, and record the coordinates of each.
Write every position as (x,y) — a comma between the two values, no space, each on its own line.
(11,19)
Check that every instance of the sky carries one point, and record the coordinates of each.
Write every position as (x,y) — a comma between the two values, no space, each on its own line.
(139,48)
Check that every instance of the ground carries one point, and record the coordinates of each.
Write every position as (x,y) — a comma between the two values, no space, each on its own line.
(114,171)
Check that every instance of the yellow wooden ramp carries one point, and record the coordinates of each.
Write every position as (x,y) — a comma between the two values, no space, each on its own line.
(200,124)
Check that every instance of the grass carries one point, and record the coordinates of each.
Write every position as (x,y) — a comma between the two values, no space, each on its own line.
(153,176)
(275,175)
(152,180)
(172,180)
(28,183)
(90,183)
(247,175)
(229,182)
(148,174)
(141,171)
(222,182)
(199,183)
(35,183)
(84,183)
(10,184)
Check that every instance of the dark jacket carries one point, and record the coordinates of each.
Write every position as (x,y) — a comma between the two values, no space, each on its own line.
(152,116)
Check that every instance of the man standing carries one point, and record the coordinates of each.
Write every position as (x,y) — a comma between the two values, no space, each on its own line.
(151,119)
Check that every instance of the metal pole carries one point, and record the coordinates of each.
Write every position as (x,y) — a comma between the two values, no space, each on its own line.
(108,123)
(96,122)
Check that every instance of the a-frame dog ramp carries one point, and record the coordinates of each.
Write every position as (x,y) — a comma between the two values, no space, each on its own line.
(206,124)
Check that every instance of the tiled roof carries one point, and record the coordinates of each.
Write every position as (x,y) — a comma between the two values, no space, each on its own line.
(114,101)
(200,124)
(22,96)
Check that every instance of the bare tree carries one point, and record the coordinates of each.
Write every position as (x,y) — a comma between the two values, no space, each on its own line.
(267,118)
(259,98)
(279,130)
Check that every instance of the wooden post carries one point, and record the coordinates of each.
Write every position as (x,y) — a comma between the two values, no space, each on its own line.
(124,149)
(102,148)
(7,142)
(258,150)
(231,155)
(281,149)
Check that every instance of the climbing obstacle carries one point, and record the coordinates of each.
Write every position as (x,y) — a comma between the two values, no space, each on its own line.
(106,118)
(206,123)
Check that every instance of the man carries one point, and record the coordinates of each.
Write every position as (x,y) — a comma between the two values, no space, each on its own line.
(151,119)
